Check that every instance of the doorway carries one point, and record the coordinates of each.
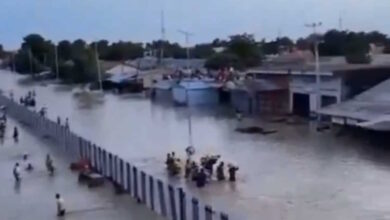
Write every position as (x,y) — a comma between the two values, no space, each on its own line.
(301,104)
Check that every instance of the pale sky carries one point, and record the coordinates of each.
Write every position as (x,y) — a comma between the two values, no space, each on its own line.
(139,20)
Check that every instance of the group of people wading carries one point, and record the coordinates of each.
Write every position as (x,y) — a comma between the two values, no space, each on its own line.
(202,172)
(29,99)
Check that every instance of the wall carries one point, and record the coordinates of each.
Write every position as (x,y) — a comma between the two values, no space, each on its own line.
(330,86)
(208,96)
(272,102)
(163,95)
(240,100)
(203,96)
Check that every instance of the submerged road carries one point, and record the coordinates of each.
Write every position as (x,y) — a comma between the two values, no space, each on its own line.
(296,173)
(34,197)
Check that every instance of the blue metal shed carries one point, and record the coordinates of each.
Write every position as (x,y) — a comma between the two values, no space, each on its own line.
(195,92)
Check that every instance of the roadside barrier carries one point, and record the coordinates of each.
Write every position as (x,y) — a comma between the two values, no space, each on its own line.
(164,199)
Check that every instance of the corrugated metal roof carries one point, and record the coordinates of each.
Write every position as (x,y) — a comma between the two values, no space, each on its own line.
(121,68)
(369,105)
(122,77)
(195,84)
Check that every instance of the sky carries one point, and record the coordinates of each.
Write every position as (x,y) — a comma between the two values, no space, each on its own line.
(140,20)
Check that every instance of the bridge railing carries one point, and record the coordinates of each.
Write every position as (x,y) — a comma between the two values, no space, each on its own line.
(161,197)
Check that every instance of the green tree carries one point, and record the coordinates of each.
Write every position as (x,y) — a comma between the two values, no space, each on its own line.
(103,48)
(78,47)
(35,54)
(219,43)
(26,63)
(285,42)
(64,50)
(223,60)
(170,49)
(2,52)
(80,68)
(333,43)
(377,38)
(274,46)
(246,49)
(303,44)
(269,48)
(357,49)
(124,51)
(202,51)
(38,46)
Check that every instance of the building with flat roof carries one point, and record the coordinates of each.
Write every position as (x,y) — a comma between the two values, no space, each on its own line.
(339,80)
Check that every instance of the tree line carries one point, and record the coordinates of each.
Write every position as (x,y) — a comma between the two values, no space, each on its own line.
(77,61)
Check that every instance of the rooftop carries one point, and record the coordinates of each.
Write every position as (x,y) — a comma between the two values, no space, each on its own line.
(121,69)
(367,106)
(327,65)
(153,62)
(257,85)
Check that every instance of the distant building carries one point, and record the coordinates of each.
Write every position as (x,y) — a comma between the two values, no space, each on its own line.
(147,63)
(122,78)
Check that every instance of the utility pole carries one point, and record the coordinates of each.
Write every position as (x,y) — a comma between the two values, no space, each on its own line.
(190,140)
(162,37)
(187,36)
(316,42)
(56,62)
(98,66)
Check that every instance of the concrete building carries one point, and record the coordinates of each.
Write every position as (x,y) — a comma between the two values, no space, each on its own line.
(339,80)
(369,109)
(260,96)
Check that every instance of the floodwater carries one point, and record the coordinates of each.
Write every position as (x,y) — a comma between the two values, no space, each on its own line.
(296,173)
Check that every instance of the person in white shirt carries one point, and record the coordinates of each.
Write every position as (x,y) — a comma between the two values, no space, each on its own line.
(60,205)
(16,172)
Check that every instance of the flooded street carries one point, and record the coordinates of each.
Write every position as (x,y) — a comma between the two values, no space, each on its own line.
(296,173)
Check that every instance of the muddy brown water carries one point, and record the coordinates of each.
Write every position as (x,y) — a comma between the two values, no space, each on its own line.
(296,173)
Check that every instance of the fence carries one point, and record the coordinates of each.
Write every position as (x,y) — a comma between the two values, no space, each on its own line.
(164,199)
